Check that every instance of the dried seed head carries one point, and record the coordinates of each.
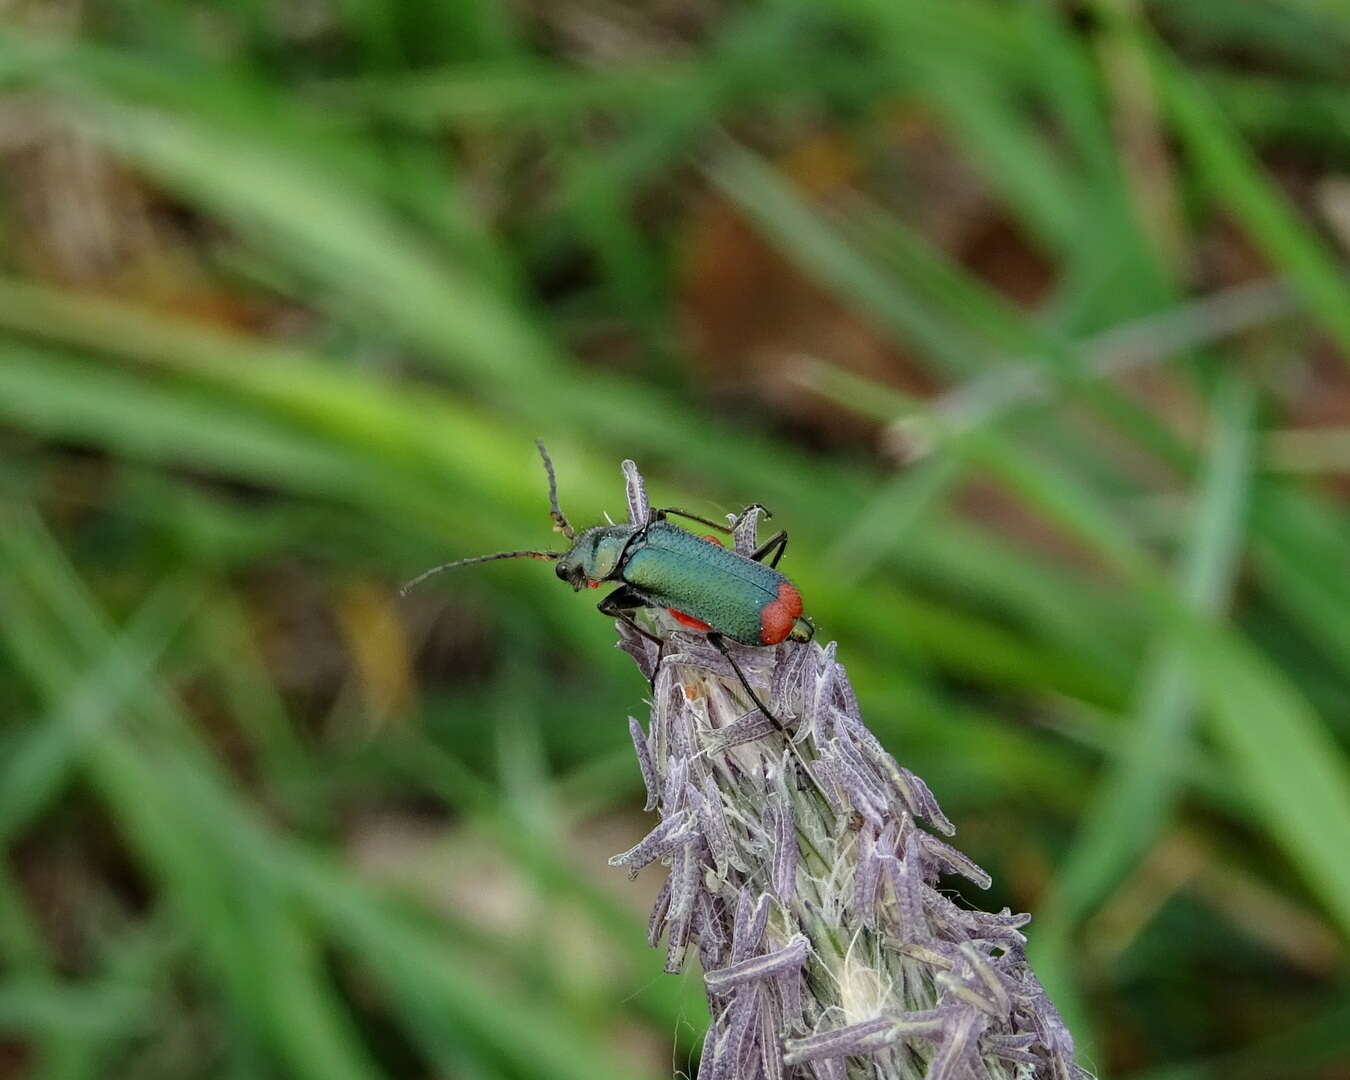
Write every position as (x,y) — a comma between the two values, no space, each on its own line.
(804,874)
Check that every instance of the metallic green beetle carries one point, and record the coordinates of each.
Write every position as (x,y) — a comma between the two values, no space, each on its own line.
(703,585)
(699,582)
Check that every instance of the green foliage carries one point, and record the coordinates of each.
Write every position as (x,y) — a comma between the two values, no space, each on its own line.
(281,330)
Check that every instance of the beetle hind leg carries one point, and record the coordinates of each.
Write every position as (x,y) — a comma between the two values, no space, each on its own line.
(803,629)
(775,545)
(719,643)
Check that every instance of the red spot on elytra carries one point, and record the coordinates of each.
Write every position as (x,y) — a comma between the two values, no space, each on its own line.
(688,620)
(714,540)
(593,584)
(777,616)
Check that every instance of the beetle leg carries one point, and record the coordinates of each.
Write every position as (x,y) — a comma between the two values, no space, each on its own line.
(620,604)
(660,514)
(777,543)
(719,643)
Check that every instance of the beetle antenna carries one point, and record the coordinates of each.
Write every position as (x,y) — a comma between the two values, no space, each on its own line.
(560,522)
(545,556)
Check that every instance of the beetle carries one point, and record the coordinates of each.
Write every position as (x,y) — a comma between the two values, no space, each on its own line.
(702,584)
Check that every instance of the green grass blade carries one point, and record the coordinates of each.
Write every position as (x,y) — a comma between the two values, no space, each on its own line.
(780,211)
(1237,183)
(38,769)
(1309,1049)
(1282,753)
(1132,802)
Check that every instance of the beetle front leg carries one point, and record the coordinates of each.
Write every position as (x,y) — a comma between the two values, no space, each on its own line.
(620,604)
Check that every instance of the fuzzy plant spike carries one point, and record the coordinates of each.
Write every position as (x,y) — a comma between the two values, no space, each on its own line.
(802,866)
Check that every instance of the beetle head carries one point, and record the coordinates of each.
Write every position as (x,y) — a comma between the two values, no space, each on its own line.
(595,555)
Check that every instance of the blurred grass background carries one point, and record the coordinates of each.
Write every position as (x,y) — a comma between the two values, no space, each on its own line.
(1029,320)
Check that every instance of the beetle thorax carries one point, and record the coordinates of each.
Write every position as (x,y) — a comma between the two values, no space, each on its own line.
(595,555)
